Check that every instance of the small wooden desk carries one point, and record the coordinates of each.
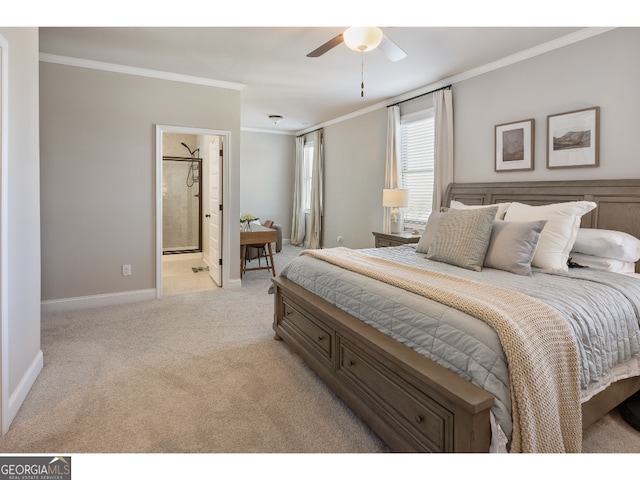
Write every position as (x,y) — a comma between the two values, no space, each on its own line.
(258,235)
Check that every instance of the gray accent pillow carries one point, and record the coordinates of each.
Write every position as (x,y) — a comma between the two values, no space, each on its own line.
(462,237)
(513,245)
(429,231)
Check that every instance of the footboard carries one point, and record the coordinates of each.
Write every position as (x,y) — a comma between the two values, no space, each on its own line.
(411,402)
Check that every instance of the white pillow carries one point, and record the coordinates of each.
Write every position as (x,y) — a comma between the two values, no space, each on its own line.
(607,243)
(559,234)
(502,207)
(429,232)
(603,263)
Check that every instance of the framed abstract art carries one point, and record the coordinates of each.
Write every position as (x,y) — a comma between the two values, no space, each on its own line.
(514,146)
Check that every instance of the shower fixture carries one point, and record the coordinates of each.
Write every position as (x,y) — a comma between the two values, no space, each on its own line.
(192,153)
(192,176)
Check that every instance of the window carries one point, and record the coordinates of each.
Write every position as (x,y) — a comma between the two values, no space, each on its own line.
(417,151)
(307,176)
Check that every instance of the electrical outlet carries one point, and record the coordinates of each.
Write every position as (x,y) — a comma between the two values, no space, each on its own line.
(126,270)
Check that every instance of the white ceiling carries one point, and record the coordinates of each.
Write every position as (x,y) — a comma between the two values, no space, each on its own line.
(270,65)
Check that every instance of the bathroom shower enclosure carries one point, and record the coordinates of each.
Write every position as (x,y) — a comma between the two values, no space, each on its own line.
(182,199)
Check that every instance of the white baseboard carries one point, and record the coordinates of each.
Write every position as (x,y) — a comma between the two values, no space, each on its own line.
(21,391)
(92,301)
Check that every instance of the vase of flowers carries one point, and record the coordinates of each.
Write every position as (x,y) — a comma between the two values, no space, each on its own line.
(245,221)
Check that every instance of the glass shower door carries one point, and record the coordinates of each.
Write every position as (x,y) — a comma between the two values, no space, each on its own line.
(182,205)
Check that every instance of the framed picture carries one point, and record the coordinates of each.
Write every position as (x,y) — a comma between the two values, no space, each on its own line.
(572,139)
(514,146)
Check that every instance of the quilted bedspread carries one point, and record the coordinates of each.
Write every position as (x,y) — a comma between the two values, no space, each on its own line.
(600,308)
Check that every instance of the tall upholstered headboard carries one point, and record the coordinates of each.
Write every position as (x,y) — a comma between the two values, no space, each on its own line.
(618,200)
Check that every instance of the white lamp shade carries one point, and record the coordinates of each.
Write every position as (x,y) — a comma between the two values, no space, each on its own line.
(395,197)
(362,39)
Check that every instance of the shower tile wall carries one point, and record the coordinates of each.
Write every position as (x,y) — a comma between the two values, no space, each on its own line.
(180,209)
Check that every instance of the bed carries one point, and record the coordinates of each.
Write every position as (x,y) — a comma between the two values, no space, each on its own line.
(417,403)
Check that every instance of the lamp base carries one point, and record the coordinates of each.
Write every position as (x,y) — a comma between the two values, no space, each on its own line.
(396,221)
(397,226)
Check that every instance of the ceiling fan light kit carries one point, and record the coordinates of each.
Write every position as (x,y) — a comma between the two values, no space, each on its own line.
(362,39)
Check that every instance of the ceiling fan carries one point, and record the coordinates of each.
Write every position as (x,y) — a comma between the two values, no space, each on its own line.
(363,39)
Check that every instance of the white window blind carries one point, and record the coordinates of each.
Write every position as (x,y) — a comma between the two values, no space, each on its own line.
(308,175)
(417,152)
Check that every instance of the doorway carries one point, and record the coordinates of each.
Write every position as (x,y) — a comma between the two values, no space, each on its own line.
(190,180)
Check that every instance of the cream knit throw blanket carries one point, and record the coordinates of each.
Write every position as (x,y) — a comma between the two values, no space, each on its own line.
(539,346)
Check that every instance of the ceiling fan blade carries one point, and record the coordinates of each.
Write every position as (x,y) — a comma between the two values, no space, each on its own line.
(391,50)
(321,50)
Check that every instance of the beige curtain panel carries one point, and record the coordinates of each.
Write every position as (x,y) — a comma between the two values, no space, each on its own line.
(443,168)
(298,220)
(393,177)
(317,186)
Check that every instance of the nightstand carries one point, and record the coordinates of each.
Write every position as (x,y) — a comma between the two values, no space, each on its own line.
(394,239)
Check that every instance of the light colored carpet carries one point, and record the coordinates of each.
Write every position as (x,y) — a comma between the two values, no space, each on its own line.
(196,372)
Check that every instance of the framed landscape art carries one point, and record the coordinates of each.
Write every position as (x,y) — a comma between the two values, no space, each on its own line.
(572,139)
(514,146)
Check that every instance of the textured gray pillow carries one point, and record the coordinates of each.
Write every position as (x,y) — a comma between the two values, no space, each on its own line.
(429,232)
(462,237)
(513,245)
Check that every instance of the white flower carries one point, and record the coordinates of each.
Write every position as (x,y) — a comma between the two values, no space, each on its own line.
(248,218)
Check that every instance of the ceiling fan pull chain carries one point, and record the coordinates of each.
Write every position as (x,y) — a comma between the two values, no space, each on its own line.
(362,75)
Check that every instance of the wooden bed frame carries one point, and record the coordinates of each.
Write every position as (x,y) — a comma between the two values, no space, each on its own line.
(411,402)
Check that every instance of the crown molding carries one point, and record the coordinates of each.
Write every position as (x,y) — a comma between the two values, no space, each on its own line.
(267,130)
(141,72)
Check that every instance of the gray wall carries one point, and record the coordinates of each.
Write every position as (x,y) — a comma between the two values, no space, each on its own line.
(267,165)
(601,71)
(354,166)
(98,173)
(22,361)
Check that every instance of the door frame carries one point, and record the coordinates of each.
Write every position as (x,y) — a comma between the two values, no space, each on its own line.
(225,240)
(5,418)
(213,159)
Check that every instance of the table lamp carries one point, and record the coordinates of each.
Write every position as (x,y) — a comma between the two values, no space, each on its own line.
(395,198)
